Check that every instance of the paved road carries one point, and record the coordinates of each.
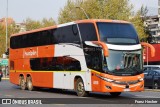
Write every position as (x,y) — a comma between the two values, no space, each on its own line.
(8,90)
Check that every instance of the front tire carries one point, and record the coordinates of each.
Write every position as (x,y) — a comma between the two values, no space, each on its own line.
(115,94)
(80,89)
(22,83)
(29,84)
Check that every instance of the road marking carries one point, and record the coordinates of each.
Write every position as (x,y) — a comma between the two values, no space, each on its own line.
(8,95)
(59,104)
(5,78)
(152,90)
(147,96)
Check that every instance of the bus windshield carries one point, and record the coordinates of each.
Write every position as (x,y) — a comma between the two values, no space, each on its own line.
(117,33)
(123,62)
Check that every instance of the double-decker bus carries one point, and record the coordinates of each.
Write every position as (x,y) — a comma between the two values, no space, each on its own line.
(85,56)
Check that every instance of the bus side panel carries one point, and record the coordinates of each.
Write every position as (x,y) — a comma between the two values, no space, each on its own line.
(39,79)
(42,79)
(96,82)
(14,77)
(47,51)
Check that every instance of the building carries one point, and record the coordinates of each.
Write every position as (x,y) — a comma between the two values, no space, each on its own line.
(152,23)
(21,27)
(3,21)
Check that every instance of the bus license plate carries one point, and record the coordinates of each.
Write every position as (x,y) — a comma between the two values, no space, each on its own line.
(127,89)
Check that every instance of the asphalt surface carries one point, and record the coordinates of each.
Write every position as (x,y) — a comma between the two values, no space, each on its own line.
(8,90)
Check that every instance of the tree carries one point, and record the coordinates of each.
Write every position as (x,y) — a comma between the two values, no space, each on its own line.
(96,9)
(48,22)
(32,24)
(11,30)
(36,24)
(138,23)
(104,9)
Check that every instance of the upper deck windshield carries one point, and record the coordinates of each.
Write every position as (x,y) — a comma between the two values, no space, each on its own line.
(117,33)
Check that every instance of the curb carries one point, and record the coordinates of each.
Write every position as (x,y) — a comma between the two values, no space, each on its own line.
(5,78)
(153,90)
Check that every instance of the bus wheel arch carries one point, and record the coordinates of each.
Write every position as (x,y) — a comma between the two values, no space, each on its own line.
(79,87)
(22,82)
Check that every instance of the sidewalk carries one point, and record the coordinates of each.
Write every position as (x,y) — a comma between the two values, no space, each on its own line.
(153,90)
(5,78)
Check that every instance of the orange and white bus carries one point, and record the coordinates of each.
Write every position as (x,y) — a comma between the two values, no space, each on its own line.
(85,56)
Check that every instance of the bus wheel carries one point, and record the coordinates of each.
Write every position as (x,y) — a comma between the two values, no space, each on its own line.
(22,83)
(80,89)
(29,84)
(115,94)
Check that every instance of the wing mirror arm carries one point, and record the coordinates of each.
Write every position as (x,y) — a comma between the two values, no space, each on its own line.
(144,44)
(104,47)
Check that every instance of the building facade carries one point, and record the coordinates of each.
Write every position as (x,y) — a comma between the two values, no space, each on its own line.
(152,23)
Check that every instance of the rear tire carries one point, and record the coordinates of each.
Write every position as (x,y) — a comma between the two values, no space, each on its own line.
(155,85)
(29,84)
(115,94)
(80,89)
(22,83)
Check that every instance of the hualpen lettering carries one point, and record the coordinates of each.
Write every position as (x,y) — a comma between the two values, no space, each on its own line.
(31,53)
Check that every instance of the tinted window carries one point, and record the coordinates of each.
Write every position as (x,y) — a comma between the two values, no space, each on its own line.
(55,64)
(151,73)
(67,34)
(93,56)
(117,33)
(88,32)
(33,39)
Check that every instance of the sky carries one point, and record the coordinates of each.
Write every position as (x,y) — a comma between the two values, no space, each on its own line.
(19,10)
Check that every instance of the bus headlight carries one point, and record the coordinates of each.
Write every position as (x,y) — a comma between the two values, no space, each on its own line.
(141,79)
(106,79)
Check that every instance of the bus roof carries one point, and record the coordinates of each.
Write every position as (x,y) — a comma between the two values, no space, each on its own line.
(71,23)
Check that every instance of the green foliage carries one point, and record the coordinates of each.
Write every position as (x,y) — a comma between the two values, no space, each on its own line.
(11,30)
(139,25)
(96,9)
(2,39)
(36,24)
(104,9)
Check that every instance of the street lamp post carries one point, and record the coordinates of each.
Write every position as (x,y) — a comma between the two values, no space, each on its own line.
(6,19)
(83,11)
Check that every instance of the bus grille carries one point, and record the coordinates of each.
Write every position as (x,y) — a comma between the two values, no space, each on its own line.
(126,82)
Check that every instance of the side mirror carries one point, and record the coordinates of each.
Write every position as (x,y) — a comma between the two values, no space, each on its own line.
(104,47)
(144,44)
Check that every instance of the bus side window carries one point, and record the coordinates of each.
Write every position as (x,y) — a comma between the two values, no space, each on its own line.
(56,64)
(11,65)
(93,58)
(71,64)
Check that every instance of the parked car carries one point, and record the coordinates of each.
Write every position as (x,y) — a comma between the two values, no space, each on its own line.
(151,67)
(152,79)
(1,75)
